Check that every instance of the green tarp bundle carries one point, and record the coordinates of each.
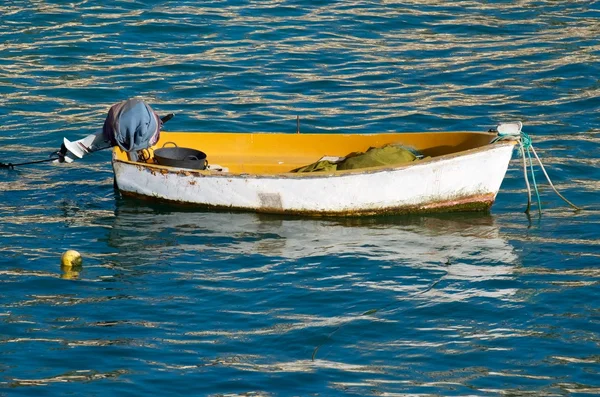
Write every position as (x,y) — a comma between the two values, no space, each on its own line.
(374,157)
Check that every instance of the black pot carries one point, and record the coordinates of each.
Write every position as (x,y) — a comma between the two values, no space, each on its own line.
(181,157)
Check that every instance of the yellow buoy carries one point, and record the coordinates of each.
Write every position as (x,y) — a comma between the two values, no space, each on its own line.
(71,258)
(70,264)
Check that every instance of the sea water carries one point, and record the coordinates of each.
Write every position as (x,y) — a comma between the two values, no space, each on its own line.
(172,302)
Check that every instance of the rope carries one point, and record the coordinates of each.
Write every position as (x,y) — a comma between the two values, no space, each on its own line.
(392,303)
(550,182)
(12,166)
(514,131)
(526,179)
(526,146)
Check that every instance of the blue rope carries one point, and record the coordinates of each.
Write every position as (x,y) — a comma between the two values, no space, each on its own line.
(525,145)
(537,193)
(525,140)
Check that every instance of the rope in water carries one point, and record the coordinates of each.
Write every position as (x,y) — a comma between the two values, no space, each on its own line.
(12,166)
(380,309)
(525,149)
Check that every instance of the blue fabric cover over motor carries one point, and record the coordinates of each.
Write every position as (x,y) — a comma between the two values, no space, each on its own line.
(132,125)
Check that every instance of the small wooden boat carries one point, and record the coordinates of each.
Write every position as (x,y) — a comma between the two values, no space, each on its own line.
(253,172)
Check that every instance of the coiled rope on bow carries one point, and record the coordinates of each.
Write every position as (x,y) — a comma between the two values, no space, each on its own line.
(514,131)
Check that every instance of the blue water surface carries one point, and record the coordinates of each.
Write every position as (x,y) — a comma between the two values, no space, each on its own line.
(172,302)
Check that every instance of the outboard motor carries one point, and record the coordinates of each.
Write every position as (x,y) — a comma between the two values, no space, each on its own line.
(132,125)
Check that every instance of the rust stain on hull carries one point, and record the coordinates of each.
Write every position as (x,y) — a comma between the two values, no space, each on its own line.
(473,203)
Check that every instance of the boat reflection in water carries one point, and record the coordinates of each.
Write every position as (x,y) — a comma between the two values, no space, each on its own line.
(402,253)
(269,293)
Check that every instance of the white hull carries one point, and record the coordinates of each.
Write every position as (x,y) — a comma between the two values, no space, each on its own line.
(467,180)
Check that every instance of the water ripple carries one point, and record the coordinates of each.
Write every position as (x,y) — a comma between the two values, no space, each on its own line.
(240,304)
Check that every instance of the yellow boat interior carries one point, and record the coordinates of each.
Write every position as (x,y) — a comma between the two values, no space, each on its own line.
(276,153)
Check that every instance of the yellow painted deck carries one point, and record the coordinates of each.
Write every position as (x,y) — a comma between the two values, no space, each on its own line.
(274,153)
